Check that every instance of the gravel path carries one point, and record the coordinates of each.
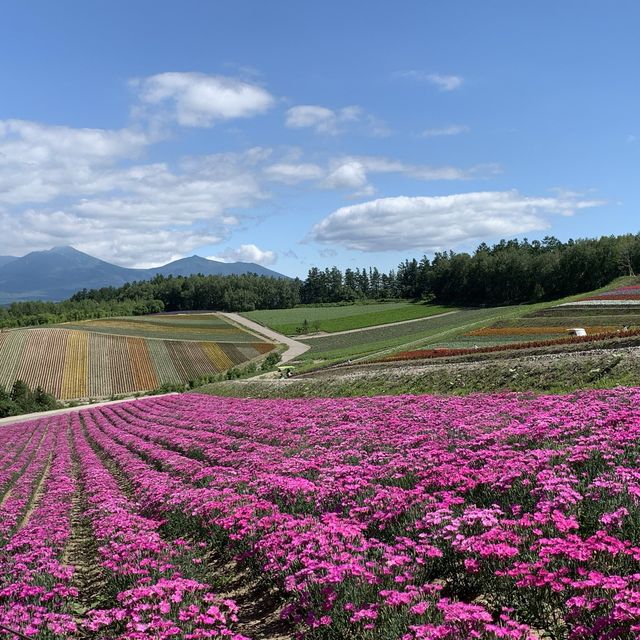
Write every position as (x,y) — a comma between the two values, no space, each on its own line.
(294,348)
(43,414)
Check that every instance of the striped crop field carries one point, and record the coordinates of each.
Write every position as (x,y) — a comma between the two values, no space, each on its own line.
(612,310)
(73,364)
(192,326)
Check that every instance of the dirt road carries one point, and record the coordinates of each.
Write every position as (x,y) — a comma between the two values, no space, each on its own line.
(43,414)
(294,348)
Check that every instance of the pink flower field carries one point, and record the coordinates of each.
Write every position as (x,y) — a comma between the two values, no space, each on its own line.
(409,517)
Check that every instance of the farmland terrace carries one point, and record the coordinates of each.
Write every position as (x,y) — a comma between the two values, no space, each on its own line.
(103,358)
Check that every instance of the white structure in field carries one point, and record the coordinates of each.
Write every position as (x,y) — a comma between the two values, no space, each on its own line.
(577,331)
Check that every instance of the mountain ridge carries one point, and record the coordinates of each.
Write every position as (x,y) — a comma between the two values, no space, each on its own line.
(57,273)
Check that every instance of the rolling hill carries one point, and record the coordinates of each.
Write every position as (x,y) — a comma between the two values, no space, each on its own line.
(57,273)
(98,359)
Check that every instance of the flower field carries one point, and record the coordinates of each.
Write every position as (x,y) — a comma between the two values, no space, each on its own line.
(445,352)
(537,331)
(606,312)
(73,364)
(488,516)
(628,294)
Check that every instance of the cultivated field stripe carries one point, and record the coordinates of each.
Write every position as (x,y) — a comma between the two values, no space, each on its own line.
(121,372)
(233,353)
(74,382)
(165,370)
(10,356)
(263,347)
(99,378)
(43,359)
(144,376)
(217,356)
(191,359)
(73,363)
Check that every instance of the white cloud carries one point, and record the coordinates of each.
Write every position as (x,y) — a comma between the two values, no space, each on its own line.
(321,119)
(440,222)
(199,100)
(444,82)
(247,253)
(292,173)
(40,162)
(351,172)
(89,195)
(333,122)
(451,130)
(39,143)
(138,245)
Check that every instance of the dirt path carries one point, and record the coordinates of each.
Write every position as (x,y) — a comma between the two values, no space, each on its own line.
(43,414)
(294,348)
(324,334)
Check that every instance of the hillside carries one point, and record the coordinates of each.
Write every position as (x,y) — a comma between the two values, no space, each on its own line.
(610,312)
(59,272)
(75,363)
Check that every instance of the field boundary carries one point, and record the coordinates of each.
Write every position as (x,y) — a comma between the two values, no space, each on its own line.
(26,417)
(326,334)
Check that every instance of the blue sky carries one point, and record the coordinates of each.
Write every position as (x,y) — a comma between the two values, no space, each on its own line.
(297,134)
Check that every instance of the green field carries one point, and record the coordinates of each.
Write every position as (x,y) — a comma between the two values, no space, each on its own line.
(446,331)
(363,343)
(193,326)
(530,323)
(330,319)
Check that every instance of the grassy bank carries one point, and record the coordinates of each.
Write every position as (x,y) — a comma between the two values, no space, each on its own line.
(330,319)
(548,373)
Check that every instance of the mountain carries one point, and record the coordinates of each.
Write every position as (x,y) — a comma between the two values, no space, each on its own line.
(196,264)
(58,273)
(6,259)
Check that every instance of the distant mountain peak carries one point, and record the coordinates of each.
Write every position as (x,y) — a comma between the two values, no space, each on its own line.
(57,273)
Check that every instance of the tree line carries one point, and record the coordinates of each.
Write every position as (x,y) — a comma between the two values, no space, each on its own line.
(508,272)
(21,399)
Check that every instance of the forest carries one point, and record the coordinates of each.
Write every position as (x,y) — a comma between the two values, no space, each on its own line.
(509,272)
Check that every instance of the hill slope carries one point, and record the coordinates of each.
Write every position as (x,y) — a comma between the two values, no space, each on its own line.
(58,273)
(74,363)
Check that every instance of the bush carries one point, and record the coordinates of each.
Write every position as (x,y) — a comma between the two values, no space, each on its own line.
(271,360)
(23,400)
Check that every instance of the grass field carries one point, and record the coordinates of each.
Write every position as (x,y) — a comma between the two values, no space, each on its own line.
(343,318)
(363,343)
(196,326)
